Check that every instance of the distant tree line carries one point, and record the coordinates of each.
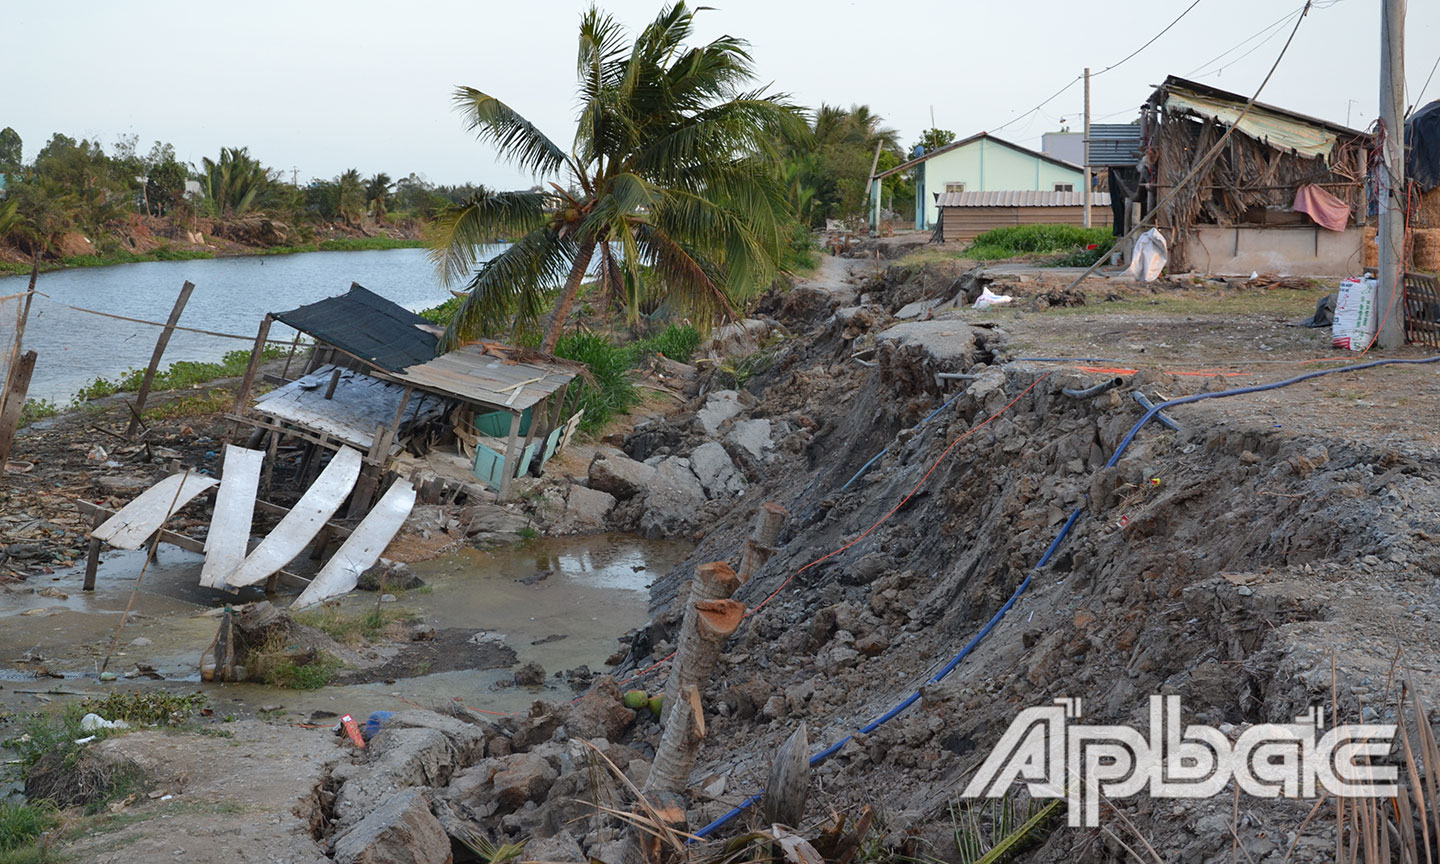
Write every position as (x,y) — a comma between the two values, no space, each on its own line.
(78,186)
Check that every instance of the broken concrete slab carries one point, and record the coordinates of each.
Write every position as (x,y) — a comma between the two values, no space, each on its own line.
(716,471)
(585,510)
(946,341)
(619,475)
(751,437)
(719,407)
(672,505)
(401,830)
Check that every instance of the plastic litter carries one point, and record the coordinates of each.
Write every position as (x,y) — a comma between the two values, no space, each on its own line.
(989,298)
(1149,258)
(92,722)
(1354,326)
(373,724)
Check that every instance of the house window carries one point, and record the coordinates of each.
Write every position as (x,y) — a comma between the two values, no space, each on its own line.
(1064,187)
(955,188)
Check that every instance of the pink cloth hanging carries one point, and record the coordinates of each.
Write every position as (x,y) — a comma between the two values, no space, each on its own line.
(1327,210)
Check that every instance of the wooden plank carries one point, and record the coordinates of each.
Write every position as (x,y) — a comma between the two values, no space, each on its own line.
(92,555)
(507,474)
(189,544)
(15,390)
(303,521)
(137,520)
(159,352)
(229,537)
(363,548)
(257,353)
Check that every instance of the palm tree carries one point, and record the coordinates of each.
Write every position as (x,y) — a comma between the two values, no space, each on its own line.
(378,191)
(671,182)
(237,183)
(350,196)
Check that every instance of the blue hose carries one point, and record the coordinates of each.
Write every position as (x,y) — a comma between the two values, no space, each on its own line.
(1044,559)
(878,456)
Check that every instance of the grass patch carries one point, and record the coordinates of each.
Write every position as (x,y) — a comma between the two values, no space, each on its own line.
(934,255)
(180,375)
(212,402)
(281,665)
(371,626)
(611,387)
(58,770)
(1221,302)
(345,244)
(20,826)
(37,409)
(1015,240)
(163,253)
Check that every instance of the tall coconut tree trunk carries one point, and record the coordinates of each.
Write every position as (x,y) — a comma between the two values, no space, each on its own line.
(568,295)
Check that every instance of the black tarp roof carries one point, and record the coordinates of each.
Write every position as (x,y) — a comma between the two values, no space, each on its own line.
(368,326)
(1422,138)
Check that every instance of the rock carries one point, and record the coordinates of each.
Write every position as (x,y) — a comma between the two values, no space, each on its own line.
(719,407)
(485,519)
(140,642)
(394,575)
(738,338)
(585,510)
(562,847)
(524,777)
(413,748)
(600,713)
(619,475)
(402,830)
(1249,458)
(872,645)
(717,473)
(530,675)
(672,505)
(751,437)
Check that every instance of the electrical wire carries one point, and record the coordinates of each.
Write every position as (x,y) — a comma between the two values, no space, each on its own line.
(1246,41)
(1204,161)
(1420,99)
(1148,44)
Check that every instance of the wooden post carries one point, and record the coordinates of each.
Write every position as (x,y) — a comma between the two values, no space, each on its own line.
(507,471)
(763,542)
(789,783)
(535,415)
(20,318)
(334,380)
(285,373)
(165,334)
(242,396)
(713,581)
(15,391)
(394,431)
(92,556)
(715,621)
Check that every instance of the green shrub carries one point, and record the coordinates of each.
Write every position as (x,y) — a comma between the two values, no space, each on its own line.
(610,389)
(37,409)
(1013,240)
(146,708)
(678,342)
(21,825)
(441,314)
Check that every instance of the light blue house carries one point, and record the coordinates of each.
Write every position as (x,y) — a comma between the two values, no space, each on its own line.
(980,163)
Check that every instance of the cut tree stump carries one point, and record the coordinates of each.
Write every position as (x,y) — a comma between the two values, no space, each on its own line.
(789,784)
(763,542)
(713,581)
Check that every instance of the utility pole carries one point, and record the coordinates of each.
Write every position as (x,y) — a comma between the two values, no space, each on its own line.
(1086,142)
(1390,303)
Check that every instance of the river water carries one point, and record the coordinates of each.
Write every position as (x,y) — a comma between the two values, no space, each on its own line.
(231,295)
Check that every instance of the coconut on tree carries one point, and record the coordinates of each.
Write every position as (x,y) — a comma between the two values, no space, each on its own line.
(670,189)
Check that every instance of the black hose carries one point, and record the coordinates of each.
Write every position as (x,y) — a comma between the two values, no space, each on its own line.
(1159,415)
(1102,387)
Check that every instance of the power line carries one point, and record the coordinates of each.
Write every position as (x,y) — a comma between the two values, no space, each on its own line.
(1077,78)
(1151,42)
(1420,100)
(1246,41)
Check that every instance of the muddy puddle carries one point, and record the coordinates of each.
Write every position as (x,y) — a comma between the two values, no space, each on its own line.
(559,602)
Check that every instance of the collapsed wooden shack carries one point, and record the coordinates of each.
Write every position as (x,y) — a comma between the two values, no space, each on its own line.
(466,422)
(1238,215)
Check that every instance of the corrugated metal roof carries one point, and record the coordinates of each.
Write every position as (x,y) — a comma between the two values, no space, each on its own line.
(475,375)
(368,326)
(1021,198)
(1114,144)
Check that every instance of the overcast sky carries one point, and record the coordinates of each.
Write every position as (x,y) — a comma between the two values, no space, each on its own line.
(318,87)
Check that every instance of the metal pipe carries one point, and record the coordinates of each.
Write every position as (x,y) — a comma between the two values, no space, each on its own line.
(1150,406)
(956,376)
(1102,387)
